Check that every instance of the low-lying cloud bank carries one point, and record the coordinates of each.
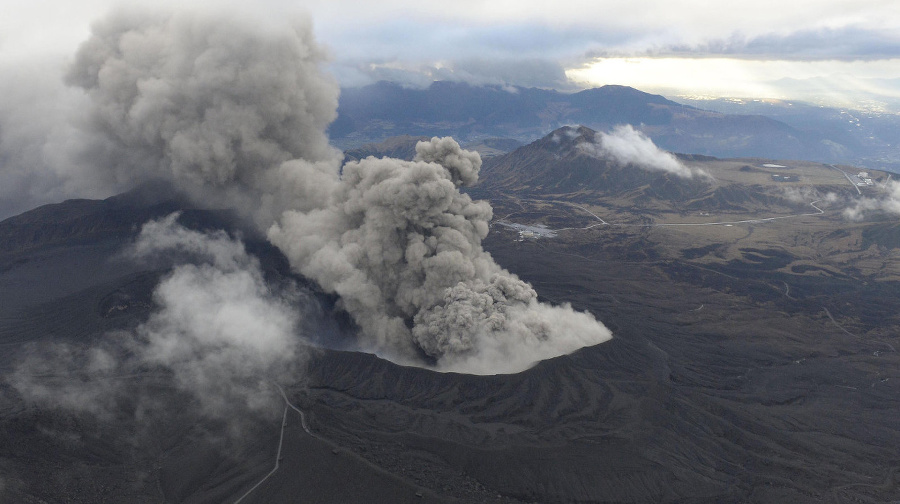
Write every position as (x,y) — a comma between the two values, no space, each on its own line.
(628,146)
(887,202)
(219,329)
(855,208)
(809,194)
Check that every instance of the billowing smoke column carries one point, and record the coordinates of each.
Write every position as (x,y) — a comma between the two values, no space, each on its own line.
(401,245)
(236,116)
(228,111)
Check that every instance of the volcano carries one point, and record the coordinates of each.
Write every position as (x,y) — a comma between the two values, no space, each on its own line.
(715,388)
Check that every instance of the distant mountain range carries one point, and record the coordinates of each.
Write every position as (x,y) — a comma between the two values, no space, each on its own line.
(557,167)
(404,147)
(874,134)
(471,113)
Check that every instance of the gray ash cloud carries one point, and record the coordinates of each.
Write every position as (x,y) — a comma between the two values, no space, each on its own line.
(234,114)
(401,246)
(224,109)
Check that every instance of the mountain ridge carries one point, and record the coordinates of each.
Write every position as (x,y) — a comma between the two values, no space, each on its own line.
(373,113)
(559,163)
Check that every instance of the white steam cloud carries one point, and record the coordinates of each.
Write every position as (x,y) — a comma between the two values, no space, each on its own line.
(67,376)
(626,145)
(221,331)
(855,208)
(235,115)
(807,194)
(888,202)
(220,328)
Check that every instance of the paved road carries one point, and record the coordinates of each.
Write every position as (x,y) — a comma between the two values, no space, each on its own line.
(287,404)
(592,213)
(847,177)
(277,455)
(298,410)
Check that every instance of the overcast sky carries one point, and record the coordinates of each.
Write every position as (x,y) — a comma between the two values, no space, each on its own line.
(770,48)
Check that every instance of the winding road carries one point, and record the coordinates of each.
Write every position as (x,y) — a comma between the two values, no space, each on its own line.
(287,404)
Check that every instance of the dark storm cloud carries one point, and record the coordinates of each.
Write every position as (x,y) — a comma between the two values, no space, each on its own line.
(429,41)
(515,72)
(528,73)
(526,55)
(847,43)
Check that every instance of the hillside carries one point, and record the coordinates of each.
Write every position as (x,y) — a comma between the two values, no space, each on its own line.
(753,359)
(867,135)
(726,381)
(558,164)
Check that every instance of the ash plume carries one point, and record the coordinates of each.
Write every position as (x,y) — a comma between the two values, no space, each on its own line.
(628,146)
(224,109)
(235,116)
(401,246)
(38,143)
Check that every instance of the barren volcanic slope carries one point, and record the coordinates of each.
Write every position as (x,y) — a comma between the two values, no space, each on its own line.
(755,351)
(753,360)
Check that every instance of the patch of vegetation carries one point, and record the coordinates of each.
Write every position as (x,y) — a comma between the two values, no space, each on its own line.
(885,235)
(766,259)
(694,253)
